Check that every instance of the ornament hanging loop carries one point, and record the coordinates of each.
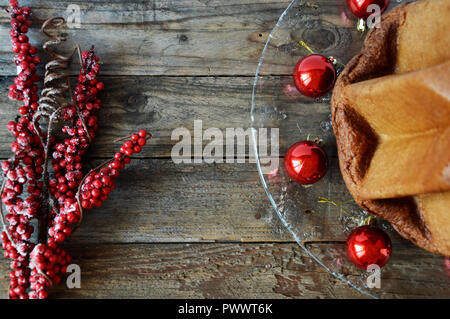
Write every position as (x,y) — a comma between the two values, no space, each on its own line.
(303,44)
(316,139)
(369,221)
(335,62)
(361,26)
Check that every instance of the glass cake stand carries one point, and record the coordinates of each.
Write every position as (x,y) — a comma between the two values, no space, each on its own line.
(321,229)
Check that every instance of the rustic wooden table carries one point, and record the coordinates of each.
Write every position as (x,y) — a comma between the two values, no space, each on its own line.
(188,230)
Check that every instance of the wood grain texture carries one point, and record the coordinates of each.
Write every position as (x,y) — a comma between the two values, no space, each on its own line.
(157,201)
(185,37)
(162,104)
(197,271)
(199,230)
(221,271)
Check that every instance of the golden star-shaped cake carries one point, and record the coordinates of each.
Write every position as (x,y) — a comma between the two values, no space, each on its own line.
(391,118)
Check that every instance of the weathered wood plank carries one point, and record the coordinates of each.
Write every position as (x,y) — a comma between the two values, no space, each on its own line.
(231,190)
(159,201)
(197,271)
(223,271)
(188,37)
(162,104)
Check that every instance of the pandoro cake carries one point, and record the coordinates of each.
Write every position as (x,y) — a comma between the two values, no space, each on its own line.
(391,118)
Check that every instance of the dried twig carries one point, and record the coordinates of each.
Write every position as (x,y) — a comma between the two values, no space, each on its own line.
(53,100)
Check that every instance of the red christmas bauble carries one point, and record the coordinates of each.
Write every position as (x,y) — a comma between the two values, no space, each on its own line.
(306,162)
(368,245)
(359,7)
(447,266)
(314,75)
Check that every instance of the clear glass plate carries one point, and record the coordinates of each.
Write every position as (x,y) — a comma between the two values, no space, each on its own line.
(319,228)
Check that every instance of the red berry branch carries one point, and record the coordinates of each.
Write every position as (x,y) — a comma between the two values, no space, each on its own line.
(35,193)
(99,182)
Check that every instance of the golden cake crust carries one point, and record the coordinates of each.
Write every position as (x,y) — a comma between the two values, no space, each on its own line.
(357,141)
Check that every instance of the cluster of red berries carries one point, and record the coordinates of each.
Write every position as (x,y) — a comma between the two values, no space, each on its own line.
(48,263)
(23,172)
(19,283)
(24,88)
(98,184)
(67,156)
(35,267)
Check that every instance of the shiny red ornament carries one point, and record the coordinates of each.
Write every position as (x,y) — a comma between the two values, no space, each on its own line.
(306,162)
(314,75)
(368,245)
(447,266)
(359,7)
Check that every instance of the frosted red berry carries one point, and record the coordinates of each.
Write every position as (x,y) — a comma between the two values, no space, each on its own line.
(314,75)
(36,266)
